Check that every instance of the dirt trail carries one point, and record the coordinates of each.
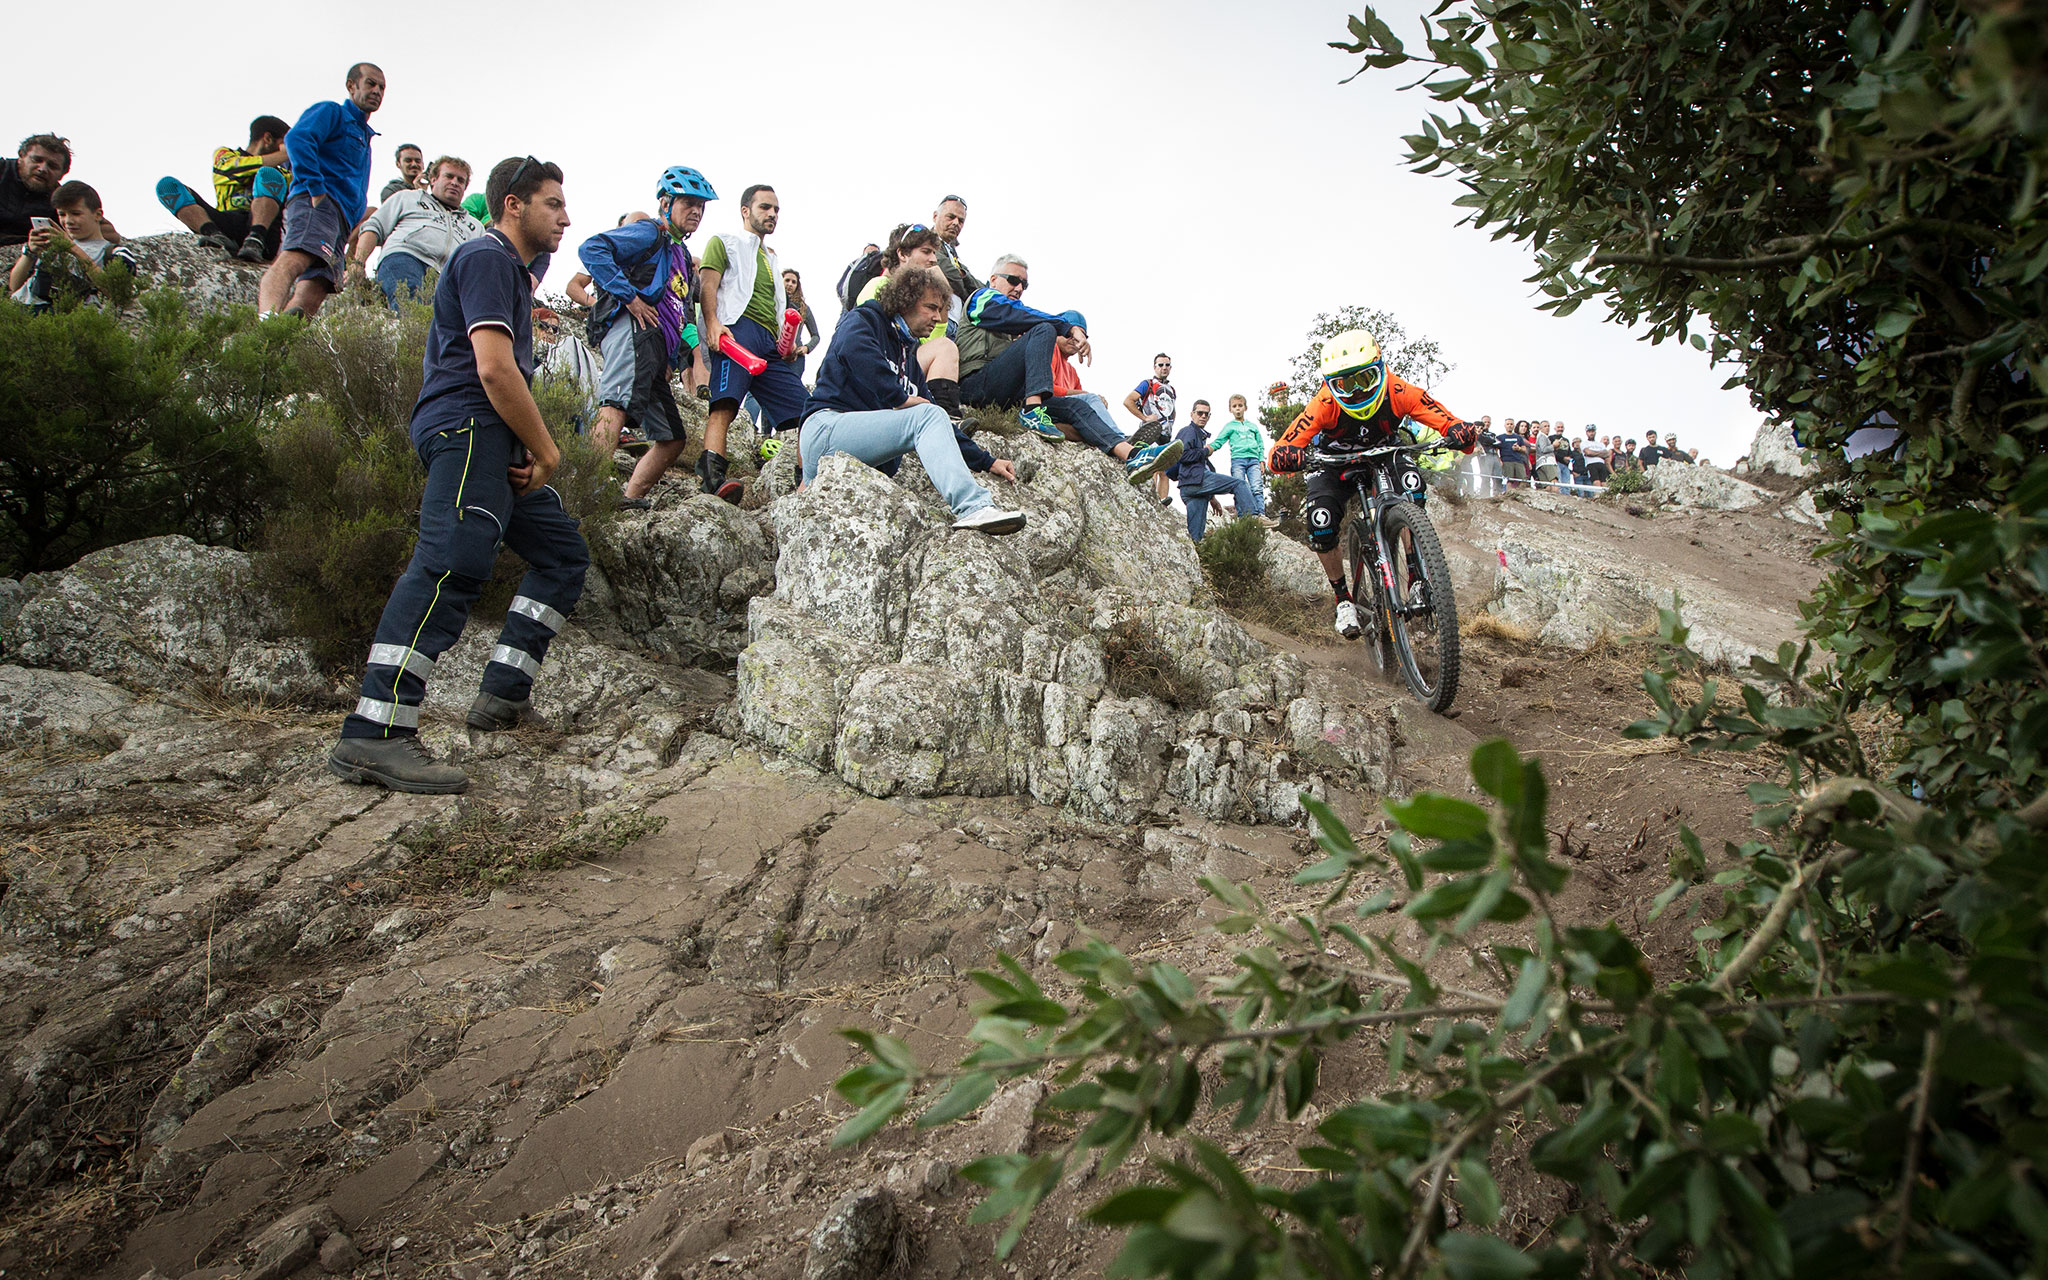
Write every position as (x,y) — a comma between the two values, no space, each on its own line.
(242,993)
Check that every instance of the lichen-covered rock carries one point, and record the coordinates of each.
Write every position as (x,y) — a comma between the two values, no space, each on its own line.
(163,614)
(1774,449)
(209,279)
(1292,568)
(912,660)
(856,1240)
(678,578)
(1705,487)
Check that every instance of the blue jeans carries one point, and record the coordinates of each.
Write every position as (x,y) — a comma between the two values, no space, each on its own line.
(1253,473)
(401,270)
(466,514)
(881,436)
(1088,415)
(1197,492)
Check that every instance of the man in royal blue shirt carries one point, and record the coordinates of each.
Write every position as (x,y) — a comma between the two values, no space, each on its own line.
(329,150)
(488,456)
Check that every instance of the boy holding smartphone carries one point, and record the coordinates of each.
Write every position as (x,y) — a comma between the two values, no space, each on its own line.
(82,249)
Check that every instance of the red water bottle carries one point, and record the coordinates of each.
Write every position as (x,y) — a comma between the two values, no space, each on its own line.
(747,360)
(792,323)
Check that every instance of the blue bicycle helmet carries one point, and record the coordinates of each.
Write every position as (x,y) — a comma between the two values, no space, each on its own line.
(681,180)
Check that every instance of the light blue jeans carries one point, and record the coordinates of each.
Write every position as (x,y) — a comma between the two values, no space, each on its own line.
(881,436)
(1210,484)
(1253,473)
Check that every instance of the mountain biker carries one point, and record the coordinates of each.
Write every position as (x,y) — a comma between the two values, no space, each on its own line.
(1360,405)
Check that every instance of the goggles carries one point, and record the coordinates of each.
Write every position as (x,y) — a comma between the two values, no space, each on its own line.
(1360,388)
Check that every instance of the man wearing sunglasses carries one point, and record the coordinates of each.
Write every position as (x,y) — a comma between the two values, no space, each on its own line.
(1006,348)
(1359,406)
(488,456)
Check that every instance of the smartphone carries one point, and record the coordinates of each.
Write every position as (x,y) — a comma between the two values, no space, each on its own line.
(42,224)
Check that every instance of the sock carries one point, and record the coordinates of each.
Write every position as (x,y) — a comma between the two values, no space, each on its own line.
(946,395)
(1342,589)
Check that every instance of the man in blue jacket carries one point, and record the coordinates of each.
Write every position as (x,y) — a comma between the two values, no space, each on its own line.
(644,322)
(1200,482)
(872,402)
(329,150)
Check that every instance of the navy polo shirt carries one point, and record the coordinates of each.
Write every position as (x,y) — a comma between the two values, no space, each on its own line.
(484,285)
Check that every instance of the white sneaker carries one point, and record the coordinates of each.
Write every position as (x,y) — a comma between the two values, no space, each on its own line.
(1347,620)
(991,520)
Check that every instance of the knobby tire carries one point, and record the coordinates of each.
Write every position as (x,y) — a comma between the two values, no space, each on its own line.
(1422,551)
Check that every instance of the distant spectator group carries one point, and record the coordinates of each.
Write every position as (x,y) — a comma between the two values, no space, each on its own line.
(1540,454)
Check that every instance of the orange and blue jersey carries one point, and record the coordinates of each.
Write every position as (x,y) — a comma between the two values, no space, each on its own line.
(1323,418)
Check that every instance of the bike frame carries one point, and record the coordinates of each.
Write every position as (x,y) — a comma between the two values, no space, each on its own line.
(1371,472)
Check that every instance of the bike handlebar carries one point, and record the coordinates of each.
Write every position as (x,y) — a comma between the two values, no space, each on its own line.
(1340,459)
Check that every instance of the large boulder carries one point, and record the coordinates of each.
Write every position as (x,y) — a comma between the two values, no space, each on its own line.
(1774,450)
(677,579)
(1067,662)
(1704,487)
(163,614)
(209,279)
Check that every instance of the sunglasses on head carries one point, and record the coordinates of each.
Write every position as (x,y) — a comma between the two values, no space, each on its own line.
(1019,281)
(959,200)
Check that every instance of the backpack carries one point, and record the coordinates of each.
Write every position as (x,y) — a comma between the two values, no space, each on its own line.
(856,277)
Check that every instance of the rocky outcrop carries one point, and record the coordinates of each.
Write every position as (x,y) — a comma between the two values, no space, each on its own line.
(676,580)
(1774,450)
(1708,488)
(163,614)
(1066,662)
(209,279)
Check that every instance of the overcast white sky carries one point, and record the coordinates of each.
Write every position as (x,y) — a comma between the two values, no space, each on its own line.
(1190,175)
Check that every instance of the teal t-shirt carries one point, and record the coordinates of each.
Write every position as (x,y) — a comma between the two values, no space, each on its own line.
(1242,439)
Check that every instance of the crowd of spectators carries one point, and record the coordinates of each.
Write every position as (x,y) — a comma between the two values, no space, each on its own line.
(1540,454)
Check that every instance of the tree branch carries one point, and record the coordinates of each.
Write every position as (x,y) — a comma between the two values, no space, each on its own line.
(1930,1048)
(1795,249)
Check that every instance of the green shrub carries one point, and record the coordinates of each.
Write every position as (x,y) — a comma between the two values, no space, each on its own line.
(112,430)
(1629,480)
(1229,551)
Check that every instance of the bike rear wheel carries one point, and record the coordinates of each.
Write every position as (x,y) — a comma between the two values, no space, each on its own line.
(1366,592)
(1422,608)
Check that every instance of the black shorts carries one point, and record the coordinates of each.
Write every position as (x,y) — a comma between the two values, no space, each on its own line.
(636,379)
(1327,498)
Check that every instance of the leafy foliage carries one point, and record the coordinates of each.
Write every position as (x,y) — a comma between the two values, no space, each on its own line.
(1418,359)
(112,431)
(1629,480)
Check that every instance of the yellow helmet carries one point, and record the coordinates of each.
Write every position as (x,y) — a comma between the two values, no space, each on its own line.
(1355,372)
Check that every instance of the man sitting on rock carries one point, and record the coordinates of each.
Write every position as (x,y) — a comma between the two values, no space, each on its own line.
(249,183)
(1007,355)
(1200,482)
(488,456)
(872,402)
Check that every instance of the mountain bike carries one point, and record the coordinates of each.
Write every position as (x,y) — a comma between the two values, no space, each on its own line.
(1396,566)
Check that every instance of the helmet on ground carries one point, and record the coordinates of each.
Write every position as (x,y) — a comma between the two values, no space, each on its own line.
(681,180)
(1355,372)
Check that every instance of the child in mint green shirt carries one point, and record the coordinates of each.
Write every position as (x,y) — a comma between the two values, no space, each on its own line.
(1247,446)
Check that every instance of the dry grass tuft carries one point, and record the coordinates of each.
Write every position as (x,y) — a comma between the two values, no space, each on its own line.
(1492,626)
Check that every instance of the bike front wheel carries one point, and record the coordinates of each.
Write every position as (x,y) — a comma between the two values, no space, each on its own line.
(1422,610)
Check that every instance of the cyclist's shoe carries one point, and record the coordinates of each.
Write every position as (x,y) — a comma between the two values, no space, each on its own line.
(769,448)
(711,470)
(215,240)
(1149,433)
(633,441)
(1347,620)
(493,714)
(1271,522)
(634,504)
(399,763)
(255,248)
(991,520)
(1036,418)
(1146,463)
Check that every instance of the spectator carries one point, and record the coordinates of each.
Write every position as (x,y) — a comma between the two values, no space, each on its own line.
(488,456)
(82,250)
(870,247)
(743,300)
(411,160)
(1544,461)
(808,336)
(1672,453)
(330,158)
(1084,416)
(1152,403)
(1199,482)
(418,230)
(1693,455)
(648,287)
(937,355)
(1596,452)
(1245,445)
(871,402)
(1652,453)
(1513,449)
(474,205)
(249,182)
(26,183)
(1006,348)
(560,356)
(948,220)
(1627,459)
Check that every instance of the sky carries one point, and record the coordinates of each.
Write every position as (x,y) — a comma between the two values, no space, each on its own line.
(1191,176)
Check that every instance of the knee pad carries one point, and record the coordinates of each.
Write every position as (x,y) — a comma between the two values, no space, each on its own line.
(173,194)
(270,182)
(1322,527)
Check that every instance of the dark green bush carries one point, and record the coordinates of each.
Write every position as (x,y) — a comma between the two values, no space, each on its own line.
(1629,480)
(113,430)
(1229,552)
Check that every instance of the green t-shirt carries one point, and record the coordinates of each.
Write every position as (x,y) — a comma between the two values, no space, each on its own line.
(760,307)
(1241,438)
(873,289)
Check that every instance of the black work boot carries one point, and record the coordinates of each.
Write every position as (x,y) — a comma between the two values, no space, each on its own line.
(493,714)
(711,469)
(399,762)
